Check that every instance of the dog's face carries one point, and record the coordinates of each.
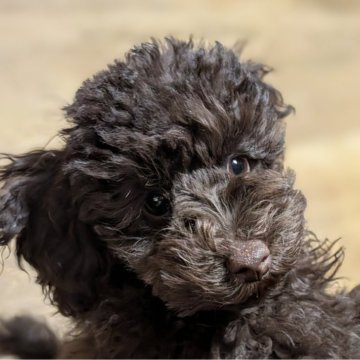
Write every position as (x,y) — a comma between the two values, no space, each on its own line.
(174,167)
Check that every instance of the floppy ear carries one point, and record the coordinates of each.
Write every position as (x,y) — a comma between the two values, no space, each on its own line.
(36,208)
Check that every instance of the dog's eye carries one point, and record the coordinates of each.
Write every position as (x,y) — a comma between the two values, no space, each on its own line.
(238,165)
(157,204)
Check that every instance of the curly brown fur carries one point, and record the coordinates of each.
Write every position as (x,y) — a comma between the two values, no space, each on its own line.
(163,127)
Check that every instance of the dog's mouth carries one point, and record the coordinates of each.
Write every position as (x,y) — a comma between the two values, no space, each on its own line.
(190,287)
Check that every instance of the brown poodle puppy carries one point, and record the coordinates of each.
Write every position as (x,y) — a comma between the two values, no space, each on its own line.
(167,226)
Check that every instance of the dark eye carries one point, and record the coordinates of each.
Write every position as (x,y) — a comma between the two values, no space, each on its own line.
(238,165)
(157,204)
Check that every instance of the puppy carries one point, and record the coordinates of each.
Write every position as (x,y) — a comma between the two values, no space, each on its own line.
(167,227)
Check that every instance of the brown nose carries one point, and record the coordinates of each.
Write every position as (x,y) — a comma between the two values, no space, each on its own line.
(250,261)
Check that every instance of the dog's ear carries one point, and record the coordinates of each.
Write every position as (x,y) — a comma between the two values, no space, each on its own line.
(25,176)
(37,209)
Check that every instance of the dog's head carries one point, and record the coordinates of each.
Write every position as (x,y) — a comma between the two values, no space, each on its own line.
(173,168)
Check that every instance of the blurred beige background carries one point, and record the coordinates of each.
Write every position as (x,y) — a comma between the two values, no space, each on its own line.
(47,48)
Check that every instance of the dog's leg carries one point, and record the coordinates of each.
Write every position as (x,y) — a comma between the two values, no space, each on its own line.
(27,338)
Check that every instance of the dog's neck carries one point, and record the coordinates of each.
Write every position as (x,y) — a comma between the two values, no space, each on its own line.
(131,322)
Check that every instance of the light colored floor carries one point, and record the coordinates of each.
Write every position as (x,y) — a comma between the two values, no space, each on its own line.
(49,47)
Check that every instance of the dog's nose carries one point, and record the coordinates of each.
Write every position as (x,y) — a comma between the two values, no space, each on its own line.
(250,261)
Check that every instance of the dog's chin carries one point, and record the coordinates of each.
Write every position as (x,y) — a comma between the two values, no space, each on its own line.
(186,300)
